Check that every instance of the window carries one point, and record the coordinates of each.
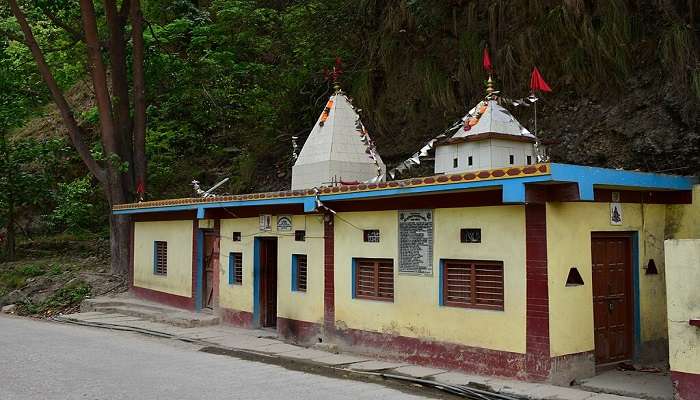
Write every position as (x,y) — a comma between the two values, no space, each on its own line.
(511,159)
(300,236)
(529,160)
(472,284)
(470,160)
(371,235)
(236,236)
(373,279)
(470,235)
(160,257)
(235,268)
(455,163)
(299,274)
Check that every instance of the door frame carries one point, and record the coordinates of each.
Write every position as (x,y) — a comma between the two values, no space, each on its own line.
(257,278)
(635,315)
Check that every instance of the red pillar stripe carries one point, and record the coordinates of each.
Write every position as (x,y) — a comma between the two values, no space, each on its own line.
(537,298)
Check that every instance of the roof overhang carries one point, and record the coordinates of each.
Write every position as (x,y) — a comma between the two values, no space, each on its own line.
(485,136)
(512,182)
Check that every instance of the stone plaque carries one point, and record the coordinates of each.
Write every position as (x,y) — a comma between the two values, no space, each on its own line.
(416,242)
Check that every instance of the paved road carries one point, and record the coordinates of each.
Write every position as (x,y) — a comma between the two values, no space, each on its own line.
(42,360)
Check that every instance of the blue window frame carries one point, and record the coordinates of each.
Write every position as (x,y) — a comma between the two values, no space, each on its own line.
(235,268)
(299,273)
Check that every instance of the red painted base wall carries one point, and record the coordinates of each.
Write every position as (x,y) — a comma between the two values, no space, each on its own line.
(686,386)
(301,332)
(238,318)
(164,298)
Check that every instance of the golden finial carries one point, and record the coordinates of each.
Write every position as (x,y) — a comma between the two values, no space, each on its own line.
(489,87)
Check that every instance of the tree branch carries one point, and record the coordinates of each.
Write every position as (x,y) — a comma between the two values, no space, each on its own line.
(74,131)
(99,78)
(76,34)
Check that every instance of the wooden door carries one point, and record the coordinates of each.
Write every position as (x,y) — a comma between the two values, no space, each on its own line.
(268,282)
(208,265)
(612,297)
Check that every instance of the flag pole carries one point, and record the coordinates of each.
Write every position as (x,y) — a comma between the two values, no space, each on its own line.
(535,117)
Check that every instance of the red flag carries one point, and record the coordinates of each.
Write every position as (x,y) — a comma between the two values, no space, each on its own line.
(537,82)
(487,60)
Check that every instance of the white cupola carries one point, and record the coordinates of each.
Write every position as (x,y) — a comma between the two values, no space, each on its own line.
(338,149)
(490,137)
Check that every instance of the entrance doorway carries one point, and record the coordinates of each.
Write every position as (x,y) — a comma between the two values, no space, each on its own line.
(613,299)
(209,255)
(268,282)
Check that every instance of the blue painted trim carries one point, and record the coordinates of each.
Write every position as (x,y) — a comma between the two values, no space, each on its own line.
(155,256)
(353,272)
(614,177)
(635,285)
(309,204)
(200,269)
(256,282)
(231,266)
(441,279)
(295,268)
(494,183)
(513,192)
(513,188)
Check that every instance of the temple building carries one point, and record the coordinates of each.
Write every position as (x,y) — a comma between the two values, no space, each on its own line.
(499,264)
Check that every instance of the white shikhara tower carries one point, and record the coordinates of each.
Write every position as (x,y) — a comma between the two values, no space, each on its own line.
(490,137)
(338,150)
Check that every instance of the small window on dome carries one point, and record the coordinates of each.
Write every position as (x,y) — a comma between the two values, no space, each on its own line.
(512,159)
(454,163)
(529,160)
(470,161)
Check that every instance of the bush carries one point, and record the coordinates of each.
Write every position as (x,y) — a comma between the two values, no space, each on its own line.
(75,211)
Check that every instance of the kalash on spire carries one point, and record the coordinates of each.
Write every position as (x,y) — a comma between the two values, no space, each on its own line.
(488,137)
(338,149)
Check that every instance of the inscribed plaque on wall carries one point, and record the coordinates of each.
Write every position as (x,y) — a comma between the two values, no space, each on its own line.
(416,242)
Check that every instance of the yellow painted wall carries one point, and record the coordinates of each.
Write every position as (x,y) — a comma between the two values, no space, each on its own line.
(682,278)
(304,306)
(569,227)
(683,220)
(415,311)
(178,234)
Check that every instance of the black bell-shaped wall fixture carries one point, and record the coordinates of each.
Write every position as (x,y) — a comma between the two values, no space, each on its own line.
(651,268)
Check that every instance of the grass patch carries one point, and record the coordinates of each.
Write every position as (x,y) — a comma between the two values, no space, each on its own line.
(16,278)
(68,296)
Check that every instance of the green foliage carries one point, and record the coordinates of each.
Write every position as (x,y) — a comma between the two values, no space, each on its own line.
(229,82)
(66,296)
(16,278)
(75,211)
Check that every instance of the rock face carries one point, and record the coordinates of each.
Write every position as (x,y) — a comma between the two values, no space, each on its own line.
(9,309)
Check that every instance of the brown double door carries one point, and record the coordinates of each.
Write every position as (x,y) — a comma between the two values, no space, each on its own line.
(612,296)
(268,282)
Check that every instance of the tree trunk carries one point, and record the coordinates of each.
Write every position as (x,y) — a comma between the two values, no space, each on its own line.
(120,243)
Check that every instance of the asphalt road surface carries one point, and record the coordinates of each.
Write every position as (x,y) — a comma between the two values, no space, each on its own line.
(43,360)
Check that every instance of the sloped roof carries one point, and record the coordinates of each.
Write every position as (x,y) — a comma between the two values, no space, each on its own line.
(488,117)
(338,136)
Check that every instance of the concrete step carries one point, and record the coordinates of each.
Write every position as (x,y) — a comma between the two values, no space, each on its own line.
(149,311)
